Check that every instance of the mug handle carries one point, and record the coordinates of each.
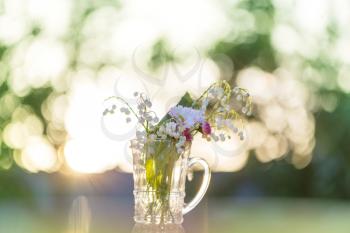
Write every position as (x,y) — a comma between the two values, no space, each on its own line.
(204,186)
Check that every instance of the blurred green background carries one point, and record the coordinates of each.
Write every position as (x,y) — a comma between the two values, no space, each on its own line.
(59,60)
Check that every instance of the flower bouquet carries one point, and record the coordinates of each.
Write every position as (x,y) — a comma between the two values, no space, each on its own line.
(162,146)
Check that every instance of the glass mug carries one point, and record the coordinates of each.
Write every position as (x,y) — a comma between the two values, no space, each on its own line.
(160,173)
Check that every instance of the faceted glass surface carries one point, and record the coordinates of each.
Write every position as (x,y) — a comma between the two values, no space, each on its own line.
(159,182)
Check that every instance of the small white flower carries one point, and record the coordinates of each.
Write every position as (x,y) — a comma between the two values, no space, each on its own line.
(235,90)
(148,103)
(188,116)
(214,137)
(125,110)
(140,135)
(205,104)
(241,136)
(148,117)
(141,107)
(171,130)
(141,120)
(220,92)
(227,108)
(152,137)
(222,137)
(180,151)
(217,92)
(180,145)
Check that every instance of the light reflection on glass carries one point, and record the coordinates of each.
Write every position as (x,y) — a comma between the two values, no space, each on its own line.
(79,216)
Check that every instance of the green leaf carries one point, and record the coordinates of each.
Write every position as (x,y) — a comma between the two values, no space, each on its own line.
(186,100)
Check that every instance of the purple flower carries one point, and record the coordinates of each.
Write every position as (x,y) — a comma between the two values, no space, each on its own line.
(206,128)
(187,134)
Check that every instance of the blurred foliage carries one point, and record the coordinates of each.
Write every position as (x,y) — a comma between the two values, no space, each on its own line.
(13,184)
(328,175)
(253,49)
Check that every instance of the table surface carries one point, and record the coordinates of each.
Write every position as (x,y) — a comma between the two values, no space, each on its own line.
(107,214)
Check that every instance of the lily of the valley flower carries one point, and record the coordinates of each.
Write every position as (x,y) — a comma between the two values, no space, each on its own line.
(212,115)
